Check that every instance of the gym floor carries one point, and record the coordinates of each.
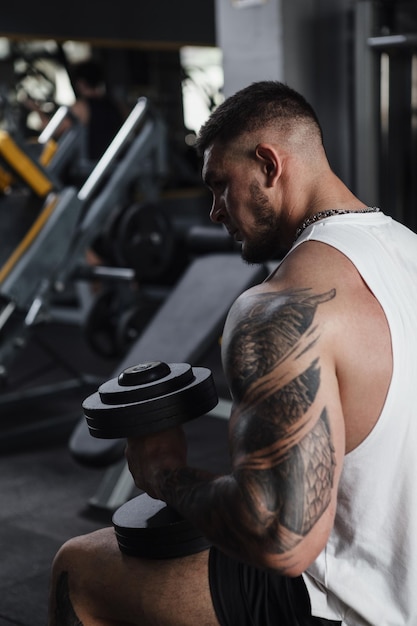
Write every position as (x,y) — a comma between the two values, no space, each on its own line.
(45,492)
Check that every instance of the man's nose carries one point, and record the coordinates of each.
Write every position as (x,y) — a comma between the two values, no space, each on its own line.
(216,213)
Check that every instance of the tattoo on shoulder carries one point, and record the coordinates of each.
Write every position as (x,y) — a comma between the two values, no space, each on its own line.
(64,611)
(281,437)
(273,325)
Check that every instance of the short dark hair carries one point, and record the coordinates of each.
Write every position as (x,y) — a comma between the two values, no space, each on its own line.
(254,107)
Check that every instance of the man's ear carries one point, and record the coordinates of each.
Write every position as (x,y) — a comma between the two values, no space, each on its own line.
(270,161)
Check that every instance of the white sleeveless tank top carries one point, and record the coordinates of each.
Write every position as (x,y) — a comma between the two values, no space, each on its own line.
(367,573)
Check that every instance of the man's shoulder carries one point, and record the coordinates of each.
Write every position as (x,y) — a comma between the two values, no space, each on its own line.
(313,274)
(315,265)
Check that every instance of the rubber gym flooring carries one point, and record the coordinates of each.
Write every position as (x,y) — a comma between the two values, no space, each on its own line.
(44,492)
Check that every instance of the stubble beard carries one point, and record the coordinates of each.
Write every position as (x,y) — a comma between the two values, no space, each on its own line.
(264,243)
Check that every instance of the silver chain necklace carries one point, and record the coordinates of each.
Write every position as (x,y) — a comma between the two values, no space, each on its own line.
(322,214)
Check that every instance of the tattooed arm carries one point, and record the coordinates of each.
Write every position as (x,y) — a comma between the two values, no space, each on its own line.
(276,507)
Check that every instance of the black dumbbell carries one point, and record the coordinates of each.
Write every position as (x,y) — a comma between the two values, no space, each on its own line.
(144,399)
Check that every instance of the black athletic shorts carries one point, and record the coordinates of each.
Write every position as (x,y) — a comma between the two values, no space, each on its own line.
(246,596)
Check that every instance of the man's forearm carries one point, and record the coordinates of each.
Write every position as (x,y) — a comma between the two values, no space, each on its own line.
(261,512)
(236,523)
(213,503)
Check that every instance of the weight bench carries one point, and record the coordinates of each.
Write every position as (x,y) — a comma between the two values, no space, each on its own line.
(188,323)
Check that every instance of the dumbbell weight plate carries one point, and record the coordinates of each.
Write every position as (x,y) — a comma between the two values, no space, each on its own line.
(148,528)
(184,394)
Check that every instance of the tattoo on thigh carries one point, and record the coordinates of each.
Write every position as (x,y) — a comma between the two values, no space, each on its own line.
(64,612)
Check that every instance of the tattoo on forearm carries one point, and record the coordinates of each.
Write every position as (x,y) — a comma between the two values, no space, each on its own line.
(64,612)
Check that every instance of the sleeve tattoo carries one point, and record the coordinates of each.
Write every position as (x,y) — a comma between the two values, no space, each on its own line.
(280,439)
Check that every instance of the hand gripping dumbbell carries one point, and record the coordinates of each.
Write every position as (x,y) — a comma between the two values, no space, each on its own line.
(145,399)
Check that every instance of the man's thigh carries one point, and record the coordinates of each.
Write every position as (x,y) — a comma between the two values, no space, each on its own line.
(107,585)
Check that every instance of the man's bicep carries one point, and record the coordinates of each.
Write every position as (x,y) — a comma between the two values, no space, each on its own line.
(282,427)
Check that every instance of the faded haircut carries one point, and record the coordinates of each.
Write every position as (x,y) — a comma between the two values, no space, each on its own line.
(259,105)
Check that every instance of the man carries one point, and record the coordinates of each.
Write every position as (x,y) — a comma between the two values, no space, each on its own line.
(316,523)
(99,113)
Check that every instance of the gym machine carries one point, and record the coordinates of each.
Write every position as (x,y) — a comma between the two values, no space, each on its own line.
(42,164)
(44,248)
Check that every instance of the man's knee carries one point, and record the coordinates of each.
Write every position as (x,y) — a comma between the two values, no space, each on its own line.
(65,555)
(81,553)
(86,568)
(74,571)
(68,555)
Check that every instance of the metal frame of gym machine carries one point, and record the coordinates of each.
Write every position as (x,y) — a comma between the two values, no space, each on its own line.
(52,253)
